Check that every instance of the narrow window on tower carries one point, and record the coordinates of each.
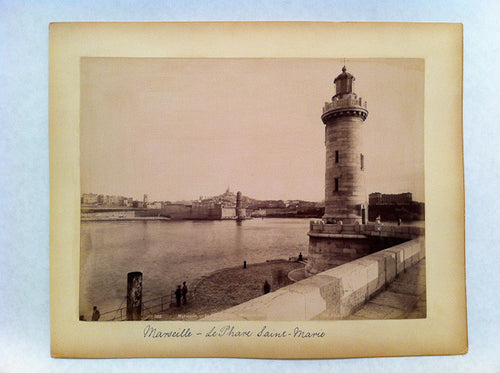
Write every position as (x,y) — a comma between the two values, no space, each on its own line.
(336,156)
(362,158)
(336,185)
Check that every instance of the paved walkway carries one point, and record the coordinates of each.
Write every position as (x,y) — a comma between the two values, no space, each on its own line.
(405,298)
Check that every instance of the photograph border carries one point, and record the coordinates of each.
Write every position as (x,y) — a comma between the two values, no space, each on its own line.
(444,330)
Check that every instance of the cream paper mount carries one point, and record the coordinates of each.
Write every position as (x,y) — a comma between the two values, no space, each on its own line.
(127,116)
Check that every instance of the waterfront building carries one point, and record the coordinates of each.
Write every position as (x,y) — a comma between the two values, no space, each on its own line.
(219,207)
(89,199)
(213,210)
(383,199)
(177,211)
(259,213)
(201,208)
(115,201)
(154,205)
(223,211)
(394,207)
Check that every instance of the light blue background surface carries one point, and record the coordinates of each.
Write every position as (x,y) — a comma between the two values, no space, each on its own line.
(24,173)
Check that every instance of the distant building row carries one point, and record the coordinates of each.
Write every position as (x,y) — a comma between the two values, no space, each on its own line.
(394,207)
(388,199)
(219,207)
(101,199)
(92,199)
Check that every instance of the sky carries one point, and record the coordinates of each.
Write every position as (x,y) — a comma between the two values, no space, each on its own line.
(178,129)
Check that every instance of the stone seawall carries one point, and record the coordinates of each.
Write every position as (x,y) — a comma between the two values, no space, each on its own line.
(331,245)
(333,294)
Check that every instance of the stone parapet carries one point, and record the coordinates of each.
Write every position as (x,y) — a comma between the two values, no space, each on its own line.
(318,228)
(344,103)
(337,111)
(332,294)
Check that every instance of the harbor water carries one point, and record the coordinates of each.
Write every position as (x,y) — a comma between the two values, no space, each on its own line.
(170,252)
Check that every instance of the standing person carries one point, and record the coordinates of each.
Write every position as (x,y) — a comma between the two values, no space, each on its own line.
(96,314)
(184,292)
(178,294)
(267,287)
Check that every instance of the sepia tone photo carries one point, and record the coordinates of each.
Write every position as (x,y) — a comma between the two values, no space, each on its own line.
(256,190)
(252,189)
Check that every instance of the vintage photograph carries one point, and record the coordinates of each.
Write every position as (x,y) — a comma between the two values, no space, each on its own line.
(280,189)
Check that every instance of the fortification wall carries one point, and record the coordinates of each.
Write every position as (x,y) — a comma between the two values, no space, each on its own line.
(176,211)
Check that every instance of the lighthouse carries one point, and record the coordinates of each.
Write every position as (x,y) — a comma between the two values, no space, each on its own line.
(240,212)
(343,117)
(342,235)
(336,239)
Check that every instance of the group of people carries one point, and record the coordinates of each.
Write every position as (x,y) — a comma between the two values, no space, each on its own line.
(181,294)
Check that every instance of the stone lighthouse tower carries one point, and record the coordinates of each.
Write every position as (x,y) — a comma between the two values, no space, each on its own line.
(239,208)
(345,195)
(336,239)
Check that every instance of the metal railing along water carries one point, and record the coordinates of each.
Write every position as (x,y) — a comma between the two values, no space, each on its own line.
(150,308)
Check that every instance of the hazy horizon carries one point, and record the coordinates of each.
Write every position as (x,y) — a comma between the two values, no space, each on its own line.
(216,195)
(177,129)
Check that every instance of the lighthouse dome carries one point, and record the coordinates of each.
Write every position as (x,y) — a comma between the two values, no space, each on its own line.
(343,83)
(344,75)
